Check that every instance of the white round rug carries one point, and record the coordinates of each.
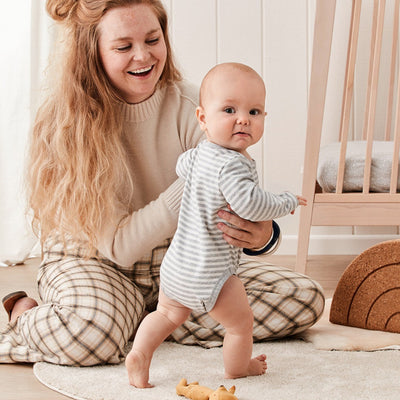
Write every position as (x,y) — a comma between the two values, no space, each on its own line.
(296,371)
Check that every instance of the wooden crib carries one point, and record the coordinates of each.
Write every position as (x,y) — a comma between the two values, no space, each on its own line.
(345,202)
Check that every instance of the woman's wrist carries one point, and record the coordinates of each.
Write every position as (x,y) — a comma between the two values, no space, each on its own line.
(266,244)
(270,246)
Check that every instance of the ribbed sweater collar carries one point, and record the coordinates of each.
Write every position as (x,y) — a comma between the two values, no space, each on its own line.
(145,110)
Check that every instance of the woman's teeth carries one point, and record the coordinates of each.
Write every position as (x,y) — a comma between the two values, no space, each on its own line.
(142,71)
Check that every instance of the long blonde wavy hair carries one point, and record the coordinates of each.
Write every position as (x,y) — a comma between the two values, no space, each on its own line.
(77,160)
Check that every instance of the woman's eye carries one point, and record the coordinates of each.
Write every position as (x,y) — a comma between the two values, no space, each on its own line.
(254,112)
(153,41)
(229,110)
(124,48)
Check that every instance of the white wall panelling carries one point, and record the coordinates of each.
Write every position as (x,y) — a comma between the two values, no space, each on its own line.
(240,39)
(286,74)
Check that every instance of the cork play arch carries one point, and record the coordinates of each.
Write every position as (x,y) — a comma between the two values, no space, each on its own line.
(368,293)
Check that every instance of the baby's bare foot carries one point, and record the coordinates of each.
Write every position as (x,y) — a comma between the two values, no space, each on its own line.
(138,366)
(257,366)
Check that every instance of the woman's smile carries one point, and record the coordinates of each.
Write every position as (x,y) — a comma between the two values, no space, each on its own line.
(141,72)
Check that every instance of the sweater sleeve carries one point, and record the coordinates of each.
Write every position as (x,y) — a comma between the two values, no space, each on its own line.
(247,199)
(163,127)
(128,238)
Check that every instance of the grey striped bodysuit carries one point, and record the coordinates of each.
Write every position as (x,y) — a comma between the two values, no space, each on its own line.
(199,261)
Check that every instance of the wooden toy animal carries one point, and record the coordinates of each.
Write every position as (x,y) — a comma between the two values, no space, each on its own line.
(194,391)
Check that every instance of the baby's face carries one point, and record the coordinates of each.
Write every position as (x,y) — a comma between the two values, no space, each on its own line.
(233,111)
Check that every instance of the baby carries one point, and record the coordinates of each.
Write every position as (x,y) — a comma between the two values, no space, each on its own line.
(199,269)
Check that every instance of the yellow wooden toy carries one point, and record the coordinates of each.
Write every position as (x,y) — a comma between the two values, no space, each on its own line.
(194,391)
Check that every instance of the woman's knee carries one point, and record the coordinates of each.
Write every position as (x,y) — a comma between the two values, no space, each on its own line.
(91,339)
(96,304)
(316,301)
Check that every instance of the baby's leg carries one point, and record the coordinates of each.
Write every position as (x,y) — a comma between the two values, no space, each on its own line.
(232,310)
(153,330)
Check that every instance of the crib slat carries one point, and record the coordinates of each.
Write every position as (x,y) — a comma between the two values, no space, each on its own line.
(396,147)
(348,91)
(376,45)
(396,135)
(395,41)
(395,164)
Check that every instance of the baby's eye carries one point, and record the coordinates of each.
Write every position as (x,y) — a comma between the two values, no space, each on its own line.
(229,110)
(254,112)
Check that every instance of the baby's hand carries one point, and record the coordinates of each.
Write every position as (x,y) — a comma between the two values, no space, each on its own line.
(302,202)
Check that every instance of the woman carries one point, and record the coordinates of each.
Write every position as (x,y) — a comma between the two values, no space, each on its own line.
(106,198)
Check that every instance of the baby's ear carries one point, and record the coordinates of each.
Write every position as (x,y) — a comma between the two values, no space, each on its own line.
(201,117)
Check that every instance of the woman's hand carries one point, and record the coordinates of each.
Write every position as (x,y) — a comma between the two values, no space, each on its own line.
(244,233)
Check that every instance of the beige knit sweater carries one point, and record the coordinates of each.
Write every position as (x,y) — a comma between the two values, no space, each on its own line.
(156,132)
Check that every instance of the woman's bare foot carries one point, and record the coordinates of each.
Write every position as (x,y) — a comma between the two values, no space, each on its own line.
(257,366)
(138,366)
(22,305)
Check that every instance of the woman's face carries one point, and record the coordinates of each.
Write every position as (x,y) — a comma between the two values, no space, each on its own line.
(132,50)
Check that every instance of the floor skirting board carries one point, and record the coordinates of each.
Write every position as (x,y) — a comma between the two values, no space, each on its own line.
(333,244)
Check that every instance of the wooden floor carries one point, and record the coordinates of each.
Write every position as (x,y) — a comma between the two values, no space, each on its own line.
(18,382)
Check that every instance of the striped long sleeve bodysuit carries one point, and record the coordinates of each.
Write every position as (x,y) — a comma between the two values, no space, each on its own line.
(199,260)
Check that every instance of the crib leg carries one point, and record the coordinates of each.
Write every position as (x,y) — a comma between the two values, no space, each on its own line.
(303,239)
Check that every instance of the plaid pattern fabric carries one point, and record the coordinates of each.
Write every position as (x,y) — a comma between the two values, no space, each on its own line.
(91,307)
(89,313)
(283,302)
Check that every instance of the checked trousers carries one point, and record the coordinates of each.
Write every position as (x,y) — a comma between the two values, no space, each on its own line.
(90,308)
